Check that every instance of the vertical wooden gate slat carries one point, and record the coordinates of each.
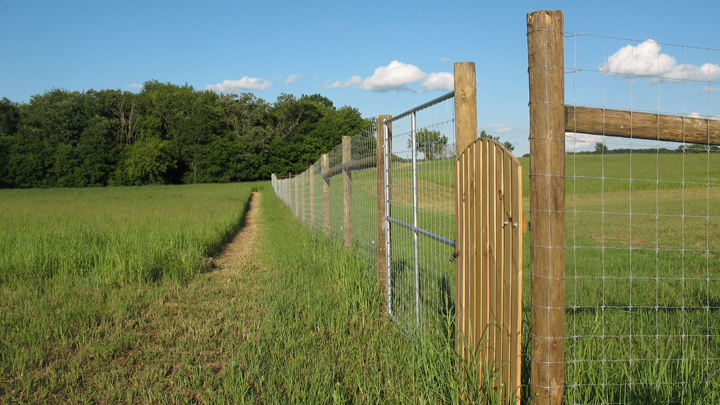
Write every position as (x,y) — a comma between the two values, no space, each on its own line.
(489,291)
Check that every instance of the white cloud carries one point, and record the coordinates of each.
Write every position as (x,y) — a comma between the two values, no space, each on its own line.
(135,86)
(438,81)
(353,81)
(291,79)
(444,59)
(246,83)
(497,129)
(707,90)
(575,140)
(396,76)
(646,59)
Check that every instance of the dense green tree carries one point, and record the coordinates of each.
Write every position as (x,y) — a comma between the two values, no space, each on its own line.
(431,143)
(147,162)
(164,134)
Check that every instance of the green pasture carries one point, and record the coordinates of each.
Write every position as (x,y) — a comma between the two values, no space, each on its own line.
(78,266)
(115,235)
(642,287)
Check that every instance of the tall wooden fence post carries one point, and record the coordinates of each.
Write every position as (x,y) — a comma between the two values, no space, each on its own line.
(312,194)
(465,134)
(382,262)
(347,189)
(326,194)
(303,197)
(547,204)
(297,196)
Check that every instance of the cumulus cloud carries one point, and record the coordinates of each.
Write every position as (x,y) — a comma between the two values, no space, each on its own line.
(444,59)
(246,83)
(135,86)
(438,81)
(291,79)
(646,59)
(397,76)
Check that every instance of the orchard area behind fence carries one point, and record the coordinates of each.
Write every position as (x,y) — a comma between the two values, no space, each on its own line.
(624,284)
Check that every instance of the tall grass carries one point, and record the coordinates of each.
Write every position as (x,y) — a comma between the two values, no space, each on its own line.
(78,266)
(115,235)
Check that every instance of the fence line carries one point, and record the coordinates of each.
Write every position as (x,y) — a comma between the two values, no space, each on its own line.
(624,249)
(407,204)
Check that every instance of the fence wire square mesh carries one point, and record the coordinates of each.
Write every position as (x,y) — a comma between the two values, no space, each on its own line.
(642,222)
(342,194)
(421,182)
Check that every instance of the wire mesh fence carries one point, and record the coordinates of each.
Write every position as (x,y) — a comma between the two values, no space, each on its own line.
(421,166)
(640,293)
(342,193)
(643,226)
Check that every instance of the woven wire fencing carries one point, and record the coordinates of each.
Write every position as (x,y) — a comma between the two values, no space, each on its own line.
(642,219)
(319,196)
(421,181)
(341,195)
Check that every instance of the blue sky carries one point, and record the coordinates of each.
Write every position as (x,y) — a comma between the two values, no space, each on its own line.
(380,57)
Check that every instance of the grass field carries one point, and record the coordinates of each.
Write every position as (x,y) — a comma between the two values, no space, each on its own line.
(299,324)
(78,267)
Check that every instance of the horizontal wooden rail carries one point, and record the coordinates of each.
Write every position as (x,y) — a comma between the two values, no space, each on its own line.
(364,163)
(639,125)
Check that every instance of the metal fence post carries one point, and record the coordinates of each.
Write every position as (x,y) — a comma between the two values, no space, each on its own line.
(547,204)
(416,247)
(382,260)
(347,189)
(387,130)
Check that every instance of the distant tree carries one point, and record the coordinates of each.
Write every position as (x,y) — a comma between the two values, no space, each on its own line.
(697,148)
(147,162)
(431,143)
(507,144)
(9,117)
(600,147)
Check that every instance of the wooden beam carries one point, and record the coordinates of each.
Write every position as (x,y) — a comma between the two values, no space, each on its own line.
(465,105)
(364,163)
(640,125)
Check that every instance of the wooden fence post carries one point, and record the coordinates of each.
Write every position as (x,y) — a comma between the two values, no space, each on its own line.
(326,194)
(297,196)
(382,264)
(547,204)
(303,197)
(347,189)
(465,134)
(312,195)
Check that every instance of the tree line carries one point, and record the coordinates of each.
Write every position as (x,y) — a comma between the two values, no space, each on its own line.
(165,134)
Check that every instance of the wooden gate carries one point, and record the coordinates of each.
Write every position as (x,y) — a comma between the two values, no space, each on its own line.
(489,269)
